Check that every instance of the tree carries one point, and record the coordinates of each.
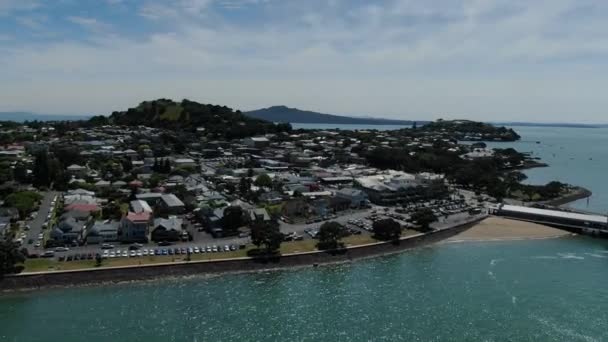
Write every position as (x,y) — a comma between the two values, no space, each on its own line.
(112,211)
(387,229)
(244,185)
(233,219)
(41,169)
(98,260)
(424,217)
(263,181)
(24,201)
(330,235)
(267,236)
(10,258)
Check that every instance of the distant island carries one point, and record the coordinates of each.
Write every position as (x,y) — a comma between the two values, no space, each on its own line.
(293,115)
(27,116)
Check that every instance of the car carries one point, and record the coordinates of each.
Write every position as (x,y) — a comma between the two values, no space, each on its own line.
(226,248)
(214,248)
(112,255)
(233,248)
(202,249)
(27,227)
(37,244)
(105,253)
(125,254)
(139,253)
(132,254)
(171,251)
(183,250)
(30,241)
(208,249)
(195,250)
(190,250)
(144,252)
(165,252)
(157,252)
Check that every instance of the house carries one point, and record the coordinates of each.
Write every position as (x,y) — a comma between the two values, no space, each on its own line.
(171,204)
(256,142)
(77,170)
(259,214)
(152,198)
(103,231)
(69,230)
(357,198)
(140,206)
(134,227)
(184,162)
(170,229)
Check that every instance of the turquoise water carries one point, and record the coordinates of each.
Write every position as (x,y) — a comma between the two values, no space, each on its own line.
(577,156)
(531,290)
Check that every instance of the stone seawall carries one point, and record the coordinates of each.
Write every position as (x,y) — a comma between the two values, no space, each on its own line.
(146,272)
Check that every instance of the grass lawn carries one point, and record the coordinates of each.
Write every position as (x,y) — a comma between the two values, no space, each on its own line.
(172,113)
(39,265)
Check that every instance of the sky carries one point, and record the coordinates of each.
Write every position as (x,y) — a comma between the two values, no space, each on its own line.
(490,60)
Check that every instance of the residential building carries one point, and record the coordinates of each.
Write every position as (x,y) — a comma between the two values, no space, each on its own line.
(103,231)
(134,227)
(170,229)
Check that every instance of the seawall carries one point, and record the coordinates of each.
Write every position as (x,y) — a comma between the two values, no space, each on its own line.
(146,272)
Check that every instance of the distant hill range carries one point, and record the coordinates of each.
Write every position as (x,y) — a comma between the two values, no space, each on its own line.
(294,115)
(26,116)
(188,116)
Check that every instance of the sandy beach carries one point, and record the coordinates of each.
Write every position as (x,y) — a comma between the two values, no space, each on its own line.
(498,229)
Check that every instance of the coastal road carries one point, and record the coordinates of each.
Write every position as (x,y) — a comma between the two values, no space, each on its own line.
(36,223)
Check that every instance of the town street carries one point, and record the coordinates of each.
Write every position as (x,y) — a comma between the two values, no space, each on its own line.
(38,221)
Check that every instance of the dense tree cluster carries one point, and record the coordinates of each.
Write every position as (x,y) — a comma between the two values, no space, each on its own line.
(387,229)
(266,236)
(330,235)
(11,258)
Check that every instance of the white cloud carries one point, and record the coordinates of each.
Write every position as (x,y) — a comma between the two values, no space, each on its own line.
(483,59)
(88,23)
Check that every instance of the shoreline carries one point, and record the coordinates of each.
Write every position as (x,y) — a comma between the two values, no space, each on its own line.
(478,229)
(121,274)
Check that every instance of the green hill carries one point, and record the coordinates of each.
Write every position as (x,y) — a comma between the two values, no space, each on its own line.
(472,130)
(220,121)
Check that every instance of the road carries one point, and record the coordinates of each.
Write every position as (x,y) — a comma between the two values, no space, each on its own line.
(36,223)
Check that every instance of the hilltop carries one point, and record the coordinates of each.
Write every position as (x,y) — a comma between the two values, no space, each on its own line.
(188,116)
(292,115)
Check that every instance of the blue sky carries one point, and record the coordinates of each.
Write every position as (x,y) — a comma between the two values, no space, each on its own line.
(532,60)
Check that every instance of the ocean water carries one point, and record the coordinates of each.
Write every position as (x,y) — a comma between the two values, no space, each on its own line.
(547,290)
(577,156)
(351,127)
